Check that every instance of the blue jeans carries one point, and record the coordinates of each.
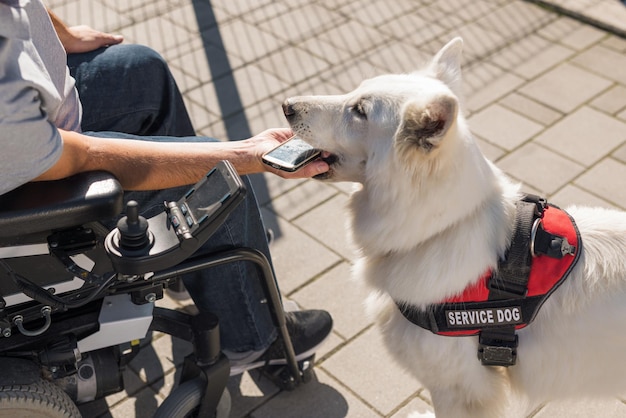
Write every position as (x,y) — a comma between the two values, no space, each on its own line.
(127,91)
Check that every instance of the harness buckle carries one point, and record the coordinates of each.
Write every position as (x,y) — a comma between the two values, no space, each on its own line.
(497,349)
(500,289)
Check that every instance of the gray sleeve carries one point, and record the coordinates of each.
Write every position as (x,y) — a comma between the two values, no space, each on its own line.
(29,143)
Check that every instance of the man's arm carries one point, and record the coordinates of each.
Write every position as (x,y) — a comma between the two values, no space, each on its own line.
(145,165)
(81,38)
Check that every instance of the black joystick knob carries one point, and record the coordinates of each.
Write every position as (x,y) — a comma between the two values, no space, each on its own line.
(133,229)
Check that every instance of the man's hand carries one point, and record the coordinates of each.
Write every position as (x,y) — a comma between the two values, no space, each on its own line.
(267,140)
(84,39)
(81,38)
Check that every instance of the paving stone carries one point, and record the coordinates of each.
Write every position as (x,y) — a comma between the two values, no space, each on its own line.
(398,57)
(531,56)
(309,20)
(576,136)
(515,19)
(160,357)
(321,397)
(297,257)
(205,64)
(503,127)
(243,40)
(417,405)
(472,9)
(376,12)
(487,83)
(274,185)
(365,366)
(583,409)
(531,109)
(478,40)
(327,223)
(611,101)
(492,152)
(237,8)
(540,168)
(194,17)
(604,61)
(596,180)
(348,312)
(94,14)
(620,153)
(583,37)
(235,92)
(555,87)
(248,391)
(342,37)
(615,43)
(347,76)
(413,28)
(292,65)
(141,405)
(158,33)
(267,11)
(573,195)
(302,199)
(560,28)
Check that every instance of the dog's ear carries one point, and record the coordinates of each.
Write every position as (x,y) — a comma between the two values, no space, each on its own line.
(446,65)
(424,126)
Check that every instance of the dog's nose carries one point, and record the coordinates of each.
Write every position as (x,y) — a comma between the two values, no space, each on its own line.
(288,109)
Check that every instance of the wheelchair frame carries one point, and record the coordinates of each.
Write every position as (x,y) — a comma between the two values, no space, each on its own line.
(61,218)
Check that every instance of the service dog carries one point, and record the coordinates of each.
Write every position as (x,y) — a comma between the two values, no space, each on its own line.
(432,214)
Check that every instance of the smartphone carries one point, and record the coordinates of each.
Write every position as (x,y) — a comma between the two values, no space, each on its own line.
(291,155)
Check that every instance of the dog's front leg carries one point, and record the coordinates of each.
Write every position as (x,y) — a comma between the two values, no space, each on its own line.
(459,402)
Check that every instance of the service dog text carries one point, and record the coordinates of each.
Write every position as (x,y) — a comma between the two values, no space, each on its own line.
(482,317)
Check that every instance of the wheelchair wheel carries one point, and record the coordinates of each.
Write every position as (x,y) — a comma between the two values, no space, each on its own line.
(40,399)
(185,401)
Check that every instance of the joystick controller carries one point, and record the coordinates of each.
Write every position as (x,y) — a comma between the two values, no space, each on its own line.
(134,237)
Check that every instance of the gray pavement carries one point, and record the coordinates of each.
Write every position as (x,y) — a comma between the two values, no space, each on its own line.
(545,96)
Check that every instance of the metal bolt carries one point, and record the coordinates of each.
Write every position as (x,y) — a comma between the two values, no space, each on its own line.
(150,297)
(54,244)
(6,332)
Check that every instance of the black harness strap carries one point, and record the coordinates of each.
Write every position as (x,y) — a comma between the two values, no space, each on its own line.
(498,346)
(511,278)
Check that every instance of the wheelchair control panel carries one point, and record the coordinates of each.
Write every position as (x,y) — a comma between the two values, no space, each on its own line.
(140,245)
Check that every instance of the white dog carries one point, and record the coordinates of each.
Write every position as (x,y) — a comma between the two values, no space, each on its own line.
(433,215)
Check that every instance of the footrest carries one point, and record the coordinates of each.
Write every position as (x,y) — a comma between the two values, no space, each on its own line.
(281,375)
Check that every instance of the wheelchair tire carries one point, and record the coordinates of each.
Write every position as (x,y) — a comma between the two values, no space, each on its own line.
(184,401)
(40,399)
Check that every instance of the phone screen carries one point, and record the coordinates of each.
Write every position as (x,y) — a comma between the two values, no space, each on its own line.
(291,154)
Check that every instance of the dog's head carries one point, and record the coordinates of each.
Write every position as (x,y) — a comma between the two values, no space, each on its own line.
(406,118)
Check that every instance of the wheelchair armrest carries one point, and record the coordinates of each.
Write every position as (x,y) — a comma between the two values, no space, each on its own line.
(41,206)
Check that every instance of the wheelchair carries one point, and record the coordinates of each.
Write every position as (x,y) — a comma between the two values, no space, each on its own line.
(78,299)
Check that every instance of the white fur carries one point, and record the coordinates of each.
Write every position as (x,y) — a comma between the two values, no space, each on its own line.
(433,215)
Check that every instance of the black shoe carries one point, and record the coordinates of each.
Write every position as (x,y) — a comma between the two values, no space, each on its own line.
(307,329)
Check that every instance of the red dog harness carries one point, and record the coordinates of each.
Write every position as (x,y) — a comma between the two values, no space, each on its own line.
(502,301)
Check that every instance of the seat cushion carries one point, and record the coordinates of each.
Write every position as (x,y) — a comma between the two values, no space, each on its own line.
(41,206)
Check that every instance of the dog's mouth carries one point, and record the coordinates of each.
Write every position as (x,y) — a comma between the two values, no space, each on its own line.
(329,159)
